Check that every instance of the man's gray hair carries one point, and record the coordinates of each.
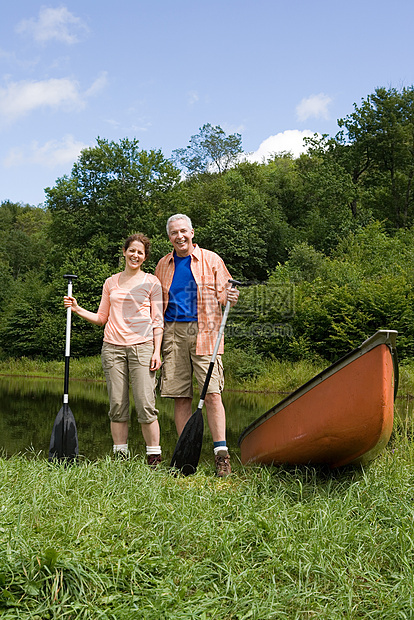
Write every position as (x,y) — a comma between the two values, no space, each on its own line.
(178,216)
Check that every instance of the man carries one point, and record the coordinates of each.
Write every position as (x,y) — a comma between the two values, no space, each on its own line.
(195,285)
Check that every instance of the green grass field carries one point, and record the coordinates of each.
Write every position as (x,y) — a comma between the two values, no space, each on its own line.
(271,376)
(116,540)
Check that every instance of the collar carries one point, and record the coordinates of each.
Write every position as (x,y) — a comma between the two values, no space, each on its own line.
(196,253)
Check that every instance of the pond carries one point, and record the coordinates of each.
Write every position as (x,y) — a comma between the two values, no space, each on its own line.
(28,407)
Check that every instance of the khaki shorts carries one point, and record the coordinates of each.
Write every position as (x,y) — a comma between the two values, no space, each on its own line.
(180,362)
(120,364)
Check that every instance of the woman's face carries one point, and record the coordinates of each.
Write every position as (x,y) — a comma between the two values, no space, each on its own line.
(134,255)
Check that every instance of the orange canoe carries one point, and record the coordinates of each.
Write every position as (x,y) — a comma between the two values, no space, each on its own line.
(342,416)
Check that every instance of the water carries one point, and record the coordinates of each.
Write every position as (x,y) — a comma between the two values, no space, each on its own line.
(28,407)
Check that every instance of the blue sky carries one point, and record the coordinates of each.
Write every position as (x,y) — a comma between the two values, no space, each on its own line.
(158,70)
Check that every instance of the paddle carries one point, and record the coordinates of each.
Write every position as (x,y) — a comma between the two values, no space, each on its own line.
(188,449)
(64,439)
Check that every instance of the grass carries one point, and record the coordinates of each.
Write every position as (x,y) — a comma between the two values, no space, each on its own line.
(406,382)
(88,368)
(265,376)
(115,540)
(277,376)
(270,376)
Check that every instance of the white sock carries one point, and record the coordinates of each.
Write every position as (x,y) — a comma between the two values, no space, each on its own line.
(120,447)
(220,449)
(153,450)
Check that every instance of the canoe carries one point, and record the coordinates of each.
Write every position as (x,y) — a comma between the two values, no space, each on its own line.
(343,416)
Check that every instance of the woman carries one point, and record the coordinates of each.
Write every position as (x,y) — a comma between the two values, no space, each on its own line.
(131,310)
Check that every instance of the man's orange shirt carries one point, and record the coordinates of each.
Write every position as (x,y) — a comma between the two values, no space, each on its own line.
(212,279)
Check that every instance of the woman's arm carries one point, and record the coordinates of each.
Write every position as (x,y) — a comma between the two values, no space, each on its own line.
(92,317)
(156,356)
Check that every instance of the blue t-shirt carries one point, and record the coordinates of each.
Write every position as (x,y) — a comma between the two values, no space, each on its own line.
(182,302)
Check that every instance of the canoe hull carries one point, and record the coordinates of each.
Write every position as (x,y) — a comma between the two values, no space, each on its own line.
(344,416)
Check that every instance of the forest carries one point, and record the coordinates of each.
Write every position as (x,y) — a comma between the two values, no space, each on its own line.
(323,243)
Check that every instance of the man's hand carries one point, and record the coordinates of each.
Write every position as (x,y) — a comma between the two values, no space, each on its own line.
(232,296)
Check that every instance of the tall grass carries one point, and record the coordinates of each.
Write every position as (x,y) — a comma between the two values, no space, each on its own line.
(80,368)
(243,371)
(115,540)
(277,376)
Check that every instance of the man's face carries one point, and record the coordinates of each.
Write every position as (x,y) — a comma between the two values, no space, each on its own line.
(181,236)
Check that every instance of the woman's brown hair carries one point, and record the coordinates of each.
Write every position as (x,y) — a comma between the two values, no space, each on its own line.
(141,239)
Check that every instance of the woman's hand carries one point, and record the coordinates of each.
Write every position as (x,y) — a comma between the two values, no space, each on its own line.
(92,317)
(155,361)
(70,302)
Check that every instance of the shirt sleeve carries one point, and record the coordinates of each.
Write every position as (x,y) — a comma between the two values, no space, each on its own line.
(157,306)
(222,280)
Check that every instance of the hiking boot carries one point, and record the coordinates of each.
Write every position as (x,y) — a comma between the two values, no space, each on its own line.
(222,459)
(154,460)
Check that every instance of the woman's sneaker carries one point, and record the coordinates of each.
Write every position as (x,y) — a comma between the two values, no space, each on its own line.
(154,460)
(223,467)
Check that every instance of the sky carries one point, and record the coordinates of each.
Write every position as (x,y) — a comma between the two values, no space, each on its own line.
(273,71)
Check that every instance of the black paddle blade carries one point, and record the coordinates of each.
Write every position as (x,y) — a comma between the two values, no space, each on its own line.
(64,440)
(188,449)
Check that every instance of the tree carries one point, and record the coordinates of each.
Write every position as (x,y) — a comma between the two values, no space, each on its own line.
(114,189)
(24,239)
(326,196)
(237,215)
(376,146)
(320,306)
(209,151)
(33,320)
(21,322)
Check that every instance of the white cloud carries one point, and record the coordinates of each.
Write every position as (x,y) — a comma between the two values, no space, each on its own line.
(13,60)
(98,85)
(290,141)
(142,127)
(230,129)
(52,154)
(113,123)
(58,24)
(6,55)
(19,98)
(315,106)
(193,97)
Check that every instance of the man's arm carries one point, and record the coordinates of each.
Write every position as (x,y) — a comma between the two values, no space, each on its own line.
(224,290)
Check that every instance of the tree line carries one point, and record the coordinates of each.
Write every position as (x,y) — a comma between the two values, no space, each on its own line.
(324,242)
